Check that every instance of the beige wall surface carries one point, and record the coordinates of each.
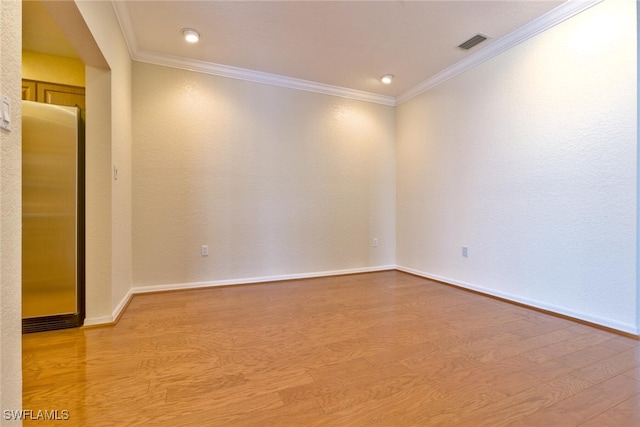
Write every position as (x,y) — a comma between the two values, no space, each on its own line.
(10,213)
(53,69)
(529,160)
(98,203)
(109,244)
(275,181)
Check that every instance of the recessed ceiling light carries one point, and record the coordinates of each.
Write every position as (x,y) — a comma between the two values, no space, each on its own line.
(190,35)
(386,79)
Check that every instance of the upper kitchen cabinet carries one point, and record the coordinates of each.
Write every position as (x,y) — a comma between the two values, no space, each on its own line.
(52,93)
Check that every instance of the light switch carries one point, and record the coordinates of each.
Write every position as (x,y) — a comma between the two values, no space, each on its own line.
(5,112)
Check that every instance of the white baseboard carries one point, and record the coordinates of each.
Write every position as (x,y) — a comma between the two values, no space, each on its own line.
(136,290)
(600,321)
(101,320)
(106,320)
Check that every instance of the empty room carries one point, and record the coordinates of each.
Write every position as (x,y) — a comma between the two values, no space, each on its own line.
(349,213)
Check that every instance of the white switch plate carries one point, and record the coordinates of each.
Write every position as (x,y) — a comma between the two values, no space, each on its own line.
(5,112)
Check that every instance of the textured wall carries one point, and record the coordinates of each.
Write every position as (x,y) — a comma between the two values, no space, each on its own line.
(275,181)
(530,161)
(10,212)
(102,22)
(98,203)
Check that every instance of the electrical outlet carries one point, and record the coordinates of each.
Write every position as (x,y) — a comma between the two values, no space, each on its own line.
(465,251)
(204,251)
(375,243)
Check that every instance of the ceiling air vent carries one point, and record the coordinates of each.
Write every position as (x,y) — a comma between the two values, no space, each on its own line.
(473,41)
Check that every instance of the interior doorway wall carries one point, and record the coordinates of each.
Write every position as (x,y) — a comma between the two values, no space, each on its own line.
(98,156)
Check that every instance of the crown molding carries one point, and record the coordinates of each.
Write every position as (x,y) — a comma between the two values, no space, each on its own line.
(138,54)
(533,28)
(124,19)
(550,19)
(259,77)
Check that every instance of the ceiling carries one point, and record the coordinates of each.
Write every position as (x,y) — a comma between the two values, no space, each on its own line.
(40,33)
(344,44)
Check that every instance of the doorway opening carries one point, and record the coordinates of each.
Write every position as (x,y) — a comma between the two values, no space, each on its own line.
(53,180)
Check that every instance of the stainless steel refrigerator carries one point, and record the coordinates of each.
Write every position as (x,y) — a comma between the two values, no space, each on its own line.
(52,217)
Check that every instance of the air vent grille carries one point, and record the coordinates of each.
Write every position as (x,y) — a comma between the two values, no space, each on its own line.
(49,323)
(473,41)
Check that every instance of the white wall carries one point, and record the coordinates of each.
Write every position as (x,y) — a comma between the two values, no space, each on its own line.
(109,270)
(275,181)
(10,212)
(98,197)
(530,160)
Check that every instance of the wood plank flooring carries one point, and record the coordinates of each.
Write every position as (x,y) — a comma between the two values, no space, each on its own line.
(379,349)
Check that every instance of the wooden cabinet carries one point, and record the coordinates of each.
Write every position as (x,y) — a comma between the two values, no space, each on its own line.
(28,90)
(51,93)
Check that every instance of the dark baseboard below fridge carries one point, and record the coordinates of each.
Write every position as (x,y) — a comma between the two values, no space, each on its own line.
(50,323)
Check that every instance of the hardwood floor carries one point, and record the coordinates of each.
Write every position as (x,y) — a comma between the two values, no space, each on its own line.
(379,349)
